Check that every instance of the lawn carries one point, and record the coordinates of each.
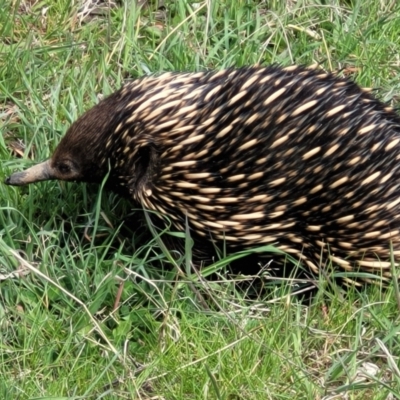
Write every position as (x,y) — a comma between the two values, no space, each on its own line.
(92,304)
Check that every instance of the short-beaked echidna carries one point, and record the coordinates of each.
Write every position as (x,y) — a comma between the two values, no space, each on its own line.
(295,157)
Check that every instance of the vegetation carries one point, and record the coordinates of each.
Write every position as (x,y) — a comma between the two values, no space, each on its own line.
(91,305)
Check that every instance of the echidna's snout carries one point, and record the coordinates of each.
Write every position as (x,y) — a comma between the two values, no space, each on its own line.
(39,172)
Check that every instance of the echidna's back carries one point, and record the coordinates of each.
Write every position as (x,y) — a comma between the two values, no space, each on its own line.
(295,157)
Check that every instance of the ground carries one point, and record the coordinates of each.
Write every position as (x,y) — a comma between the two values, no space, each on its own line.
(91,304)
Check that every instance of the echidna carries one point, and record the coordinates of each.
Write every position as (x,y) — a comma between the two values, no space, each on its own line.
(295,157)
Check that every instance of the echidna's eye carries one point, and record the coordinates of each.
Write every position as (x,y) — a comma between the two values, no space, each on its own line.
(64,168)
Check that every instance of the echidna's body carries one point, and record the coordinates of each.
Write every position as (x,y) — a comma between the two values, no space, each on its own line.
(294,157)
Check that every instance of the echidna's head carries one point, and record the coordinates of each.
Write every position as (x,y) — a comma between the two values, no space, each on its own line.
(89,151)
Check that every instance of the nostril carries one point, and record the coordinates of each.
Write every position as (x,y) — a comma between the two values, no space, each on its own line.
(7,181)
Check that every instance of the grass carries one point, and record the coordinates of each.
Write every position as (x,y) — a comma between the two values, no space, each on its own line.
(66,249)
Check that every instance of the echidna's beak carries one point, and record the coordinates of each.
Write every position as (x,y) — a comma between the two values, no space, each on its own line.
(39,172)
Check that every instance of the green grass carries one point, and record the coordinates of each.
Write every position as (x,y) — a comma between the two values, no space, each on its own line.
(65,249)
